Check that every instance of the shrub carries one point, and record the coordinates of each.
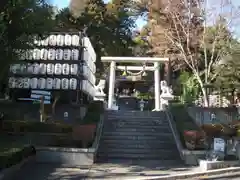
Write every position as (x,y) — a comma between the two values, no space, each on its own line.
(95,109)
(15,156)
(194,139)
(30,126)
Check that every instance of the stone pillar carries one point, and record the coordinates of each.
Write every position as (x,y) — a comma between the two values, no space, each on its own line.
(157,86)
(111,84)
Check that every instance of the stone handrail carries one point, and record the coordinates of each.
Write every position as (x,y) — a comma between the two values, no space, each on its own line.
(175,133)
(98,132)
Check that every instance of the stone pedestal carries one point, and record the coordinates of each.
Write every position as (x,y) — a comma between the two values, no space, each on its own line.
(210,165)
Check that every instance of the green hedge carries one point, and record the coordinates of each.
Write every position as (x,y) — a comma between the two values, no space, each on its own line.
(14,156)
(95,109)
(30,126)
(182,119)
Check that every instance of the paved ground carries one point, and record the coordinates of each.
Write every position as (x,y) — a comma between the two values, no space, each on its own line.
(97,172)
(226,176)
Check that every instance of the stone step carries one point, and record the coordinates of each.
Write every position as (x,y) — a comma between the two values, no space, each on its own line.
(133,126)
(158,151)
(136,141)
(142,118)
(139,144)
(149,163)
(135,133)
(121,155)
(162,129)
(137,121)
(165,137)
(131,131)
(136,113)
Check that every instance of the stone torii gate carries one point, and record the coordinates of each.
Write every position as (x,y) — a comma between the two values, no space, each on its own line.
(156,63)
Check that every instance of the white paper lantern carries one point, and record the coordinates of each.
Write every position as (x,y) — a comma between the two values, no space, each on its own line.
(20,83)
(23,68)
(85,71)
(67,40)
(52,40)
(65,83)
(51,54)
(50,69)
(94,80)
(29,54)
(74,69)
(41,83)
(17,82)
(18,68)
(85,56)
(26,83)
(34,83)
(30,68)
(36,54)
(84,85)
(58,69)
(65,69)
(42,68)
(75,54)
(59,54)
(13,68)
(11,82)
(44,54)
(94,68)
(21,54)
(73,83)
(67,54)
(44,42)
(36,41)
(60,40)
(36,68)
(49,84)
(56,83)
(75,40)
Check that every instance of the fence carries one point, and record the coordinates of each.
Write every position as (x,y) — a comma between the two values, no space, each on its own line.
(203,115)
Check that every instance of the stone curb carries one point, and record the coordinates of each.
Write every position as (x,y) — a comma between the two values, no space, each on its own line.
(197,174)
(7,174)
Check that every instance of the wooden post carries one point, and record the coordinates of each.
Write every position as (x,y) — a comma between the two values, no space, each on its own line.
(42,113)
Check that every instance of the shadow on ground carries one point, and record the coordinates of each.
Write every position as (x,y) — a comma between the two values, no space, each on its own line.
(119,170)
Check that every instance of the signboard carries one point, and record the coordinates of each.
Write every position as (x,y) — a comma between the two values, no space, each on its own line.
(219,144)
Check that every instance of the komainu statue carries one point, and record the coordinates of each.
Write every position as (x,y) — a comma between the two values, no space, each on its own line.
(100,87)
(166,95)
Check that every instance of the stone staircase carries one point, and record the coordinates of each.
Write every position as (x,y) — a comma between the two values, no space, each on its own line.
(136,135)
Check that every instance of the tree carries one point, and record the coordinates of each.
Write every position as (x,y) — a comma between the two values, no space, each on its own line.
(19,20)
(198,35)
(109,27)
(228,72)
(77,7)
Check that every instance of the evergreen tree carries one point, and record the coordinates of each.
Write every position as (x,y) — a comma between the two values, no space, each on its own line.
(109,26)
(18,21)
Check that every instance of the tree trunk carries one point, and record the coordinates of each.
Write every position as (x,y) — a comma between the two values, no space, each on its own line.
(205,97)
(204,91)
